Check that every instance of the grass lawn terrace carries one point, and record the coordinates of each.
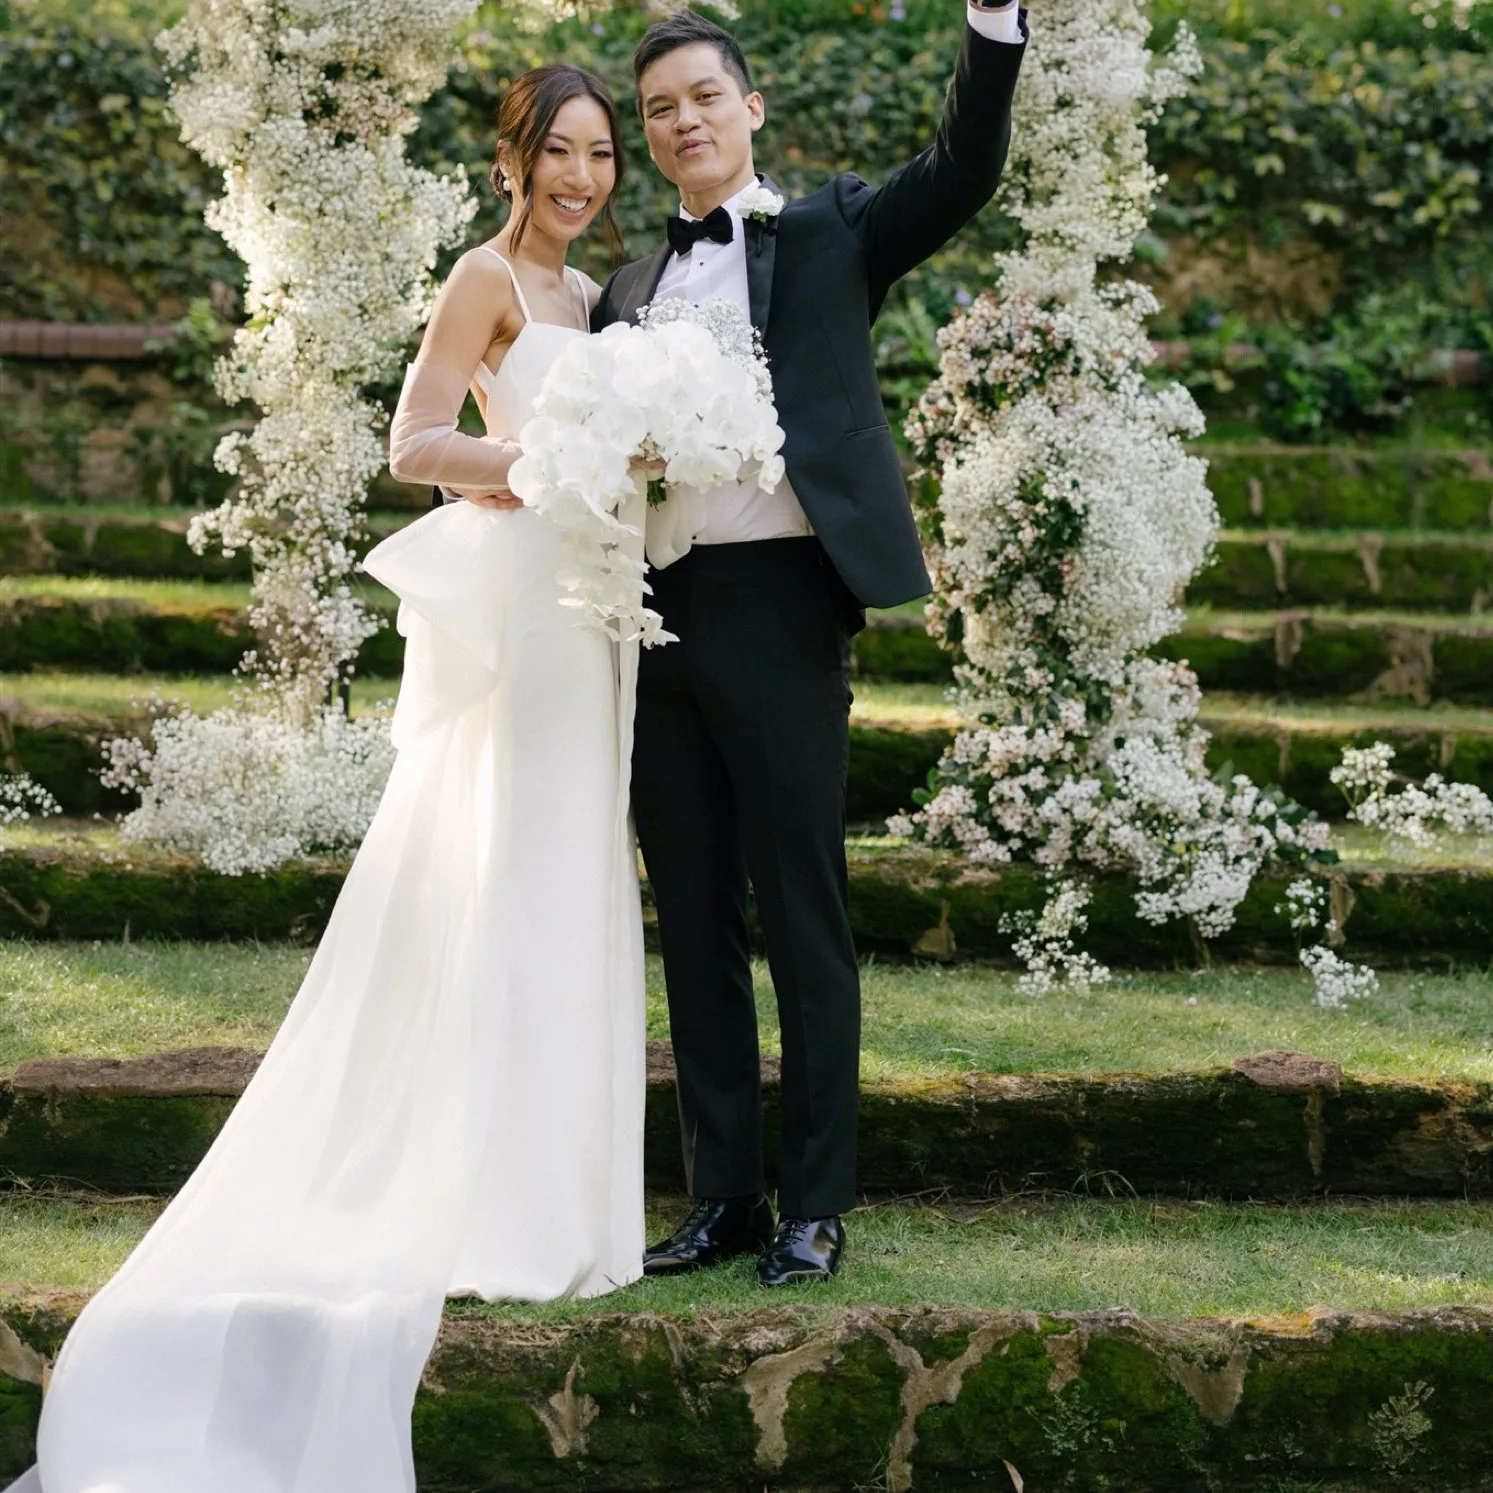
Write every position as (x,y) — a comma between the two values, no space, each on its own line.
(118,1000)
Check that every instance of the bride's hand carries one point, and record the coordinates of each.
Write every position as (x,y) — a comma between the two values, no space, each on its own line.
(493,499)
(648,469)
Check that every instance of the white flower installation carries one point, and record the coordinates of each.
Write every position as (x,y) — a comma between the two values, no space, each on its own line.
(1069,517)
(1420,814)
(306,108)
(244,790)
(21,797)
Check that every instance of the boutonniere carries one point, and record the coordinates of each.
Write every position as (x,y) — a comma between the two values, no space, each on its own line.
(759,203)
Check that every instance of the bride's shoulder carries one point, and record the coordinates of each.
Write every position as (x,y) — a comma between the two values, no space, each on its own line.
(592,289)
(479,263)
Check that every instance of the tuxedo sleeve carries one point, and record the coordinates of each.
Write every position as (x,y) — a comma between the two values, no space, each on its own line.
(925,203)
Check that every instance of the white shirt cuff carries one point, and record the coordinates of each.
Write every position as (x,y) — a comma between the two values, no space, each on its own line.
(997,25)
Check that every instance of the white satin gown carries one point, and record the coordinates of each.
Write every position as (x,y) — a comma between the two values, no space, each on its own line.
(454,1103)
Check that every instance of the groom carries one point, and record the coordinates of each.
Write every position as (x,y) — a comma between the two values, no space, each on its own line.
(742,726)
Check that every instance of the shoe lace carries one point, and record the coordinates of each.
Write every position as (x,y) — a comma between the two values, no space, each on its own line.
(698,1213)
(793,1229)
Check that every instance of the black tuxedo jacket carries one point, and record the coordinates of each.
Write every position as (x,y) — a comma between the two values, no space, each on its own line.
(817,278)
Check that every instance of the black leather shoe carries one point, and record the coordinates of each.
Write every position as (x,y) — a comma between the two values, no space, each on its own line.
(802,1249)
(716,1229)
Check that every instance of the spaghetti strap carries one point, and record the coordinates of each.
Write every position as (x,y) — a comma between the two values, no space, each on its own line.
(518,289)
(580,286)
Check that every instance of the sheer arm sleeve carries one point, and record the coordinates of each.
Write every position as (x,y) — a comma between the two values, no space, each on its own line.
(426,446)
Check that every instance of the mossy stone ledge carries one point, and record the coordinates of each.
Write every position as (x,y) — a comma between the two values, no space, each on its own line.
(94,541)
(1290,653)
(904,901)
(64,753)
(1273,1126)
(123,635)
(793,1396)
(1365,571)
(1343,487)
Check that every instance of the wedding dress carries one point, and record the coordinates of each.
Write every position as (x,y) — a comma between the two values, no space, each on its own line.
(454,1103)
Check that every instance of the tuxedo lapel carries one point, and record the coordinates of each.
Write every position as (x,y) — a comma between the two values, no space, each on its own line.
(642,284)
(761,259)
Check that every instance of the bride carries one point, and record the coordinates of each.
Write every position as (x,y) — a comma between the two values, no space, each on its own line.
(454,1103)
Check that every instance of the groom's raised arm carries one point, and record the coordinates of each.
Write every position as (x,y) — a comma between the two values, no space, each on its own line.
(925,203)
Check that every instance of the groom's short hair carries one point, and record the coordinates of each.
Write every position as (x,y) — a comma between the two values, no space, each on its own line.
(683,29)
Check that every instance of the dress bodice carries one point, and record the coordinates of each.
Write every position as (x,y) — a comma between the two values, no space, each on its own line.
(511,390)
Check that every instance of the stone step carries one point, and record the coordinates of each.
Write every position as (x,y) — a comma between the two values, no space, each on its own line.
(63,752)
(807,1394)
(1266,568)
(98,541)
(1344,487)
(1275,1125)
(74,881)
(1295,654)
(124,627)
(1363,571)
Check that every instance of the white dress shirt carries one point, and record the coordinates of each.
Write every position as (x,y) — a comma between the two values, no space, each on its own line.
(735,511)
(997,25)
(739,511)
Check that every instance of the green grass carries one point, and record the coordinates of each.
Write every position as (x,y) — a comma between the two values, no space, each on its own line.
(1233,709)
(118,1000)
(158,593)
(162,593)
(1161,1258)
(923,706)
(117,694)
(178,516)
(915,706)
(1204,618)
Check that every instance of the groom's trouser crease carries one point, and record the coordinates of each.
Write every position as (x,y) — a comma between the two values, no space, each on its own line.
(739,770)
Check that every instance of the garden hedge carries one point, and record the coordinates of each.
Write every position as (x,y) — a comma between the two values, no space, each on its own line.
(1356,144)
(805,1396)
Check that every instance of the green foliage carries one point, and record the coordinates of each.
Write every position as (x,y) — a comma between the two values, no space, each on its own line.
(1374,155)
(1354,144)
(100,202)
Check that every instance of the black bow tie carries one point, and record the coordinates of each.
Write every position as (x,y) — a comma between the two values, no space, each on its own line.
(685,233)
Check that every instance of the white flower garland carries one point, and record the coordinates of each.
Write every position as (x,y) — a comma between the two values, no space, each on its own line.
(1069,519)
(306,107)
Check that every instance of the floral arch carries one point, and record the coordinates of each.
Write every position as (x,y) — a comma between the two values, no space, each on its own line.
(1069,514)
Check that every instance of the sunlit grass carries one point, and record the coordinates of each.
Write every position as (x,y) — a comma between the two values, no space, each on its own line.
(117,694)
(1204,618)
(160,592)
(1161,1258)
(116,1000)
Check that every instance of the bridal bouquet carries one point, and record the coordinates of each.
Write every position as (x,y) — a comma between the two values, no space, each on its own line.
(689,386)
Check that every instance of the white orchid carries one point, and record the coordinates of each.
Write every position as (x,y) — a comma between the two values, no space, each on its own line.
(689,387)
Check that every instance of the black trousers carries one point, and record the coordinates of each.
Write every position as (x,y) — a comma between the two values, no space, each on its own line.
(739,773)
